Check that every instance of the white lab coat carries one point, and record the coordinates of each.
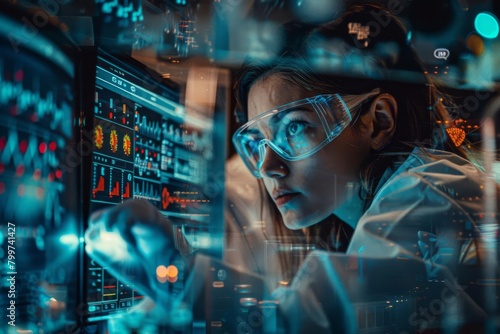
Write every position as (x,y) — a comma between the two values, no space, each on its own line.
(420,232)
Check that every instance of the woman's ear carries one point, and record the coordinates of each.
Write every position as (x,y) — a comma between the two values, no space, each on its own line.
(381,120)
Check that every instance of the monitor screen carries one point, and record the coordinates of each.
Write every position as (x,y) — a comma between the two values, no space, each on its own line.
(147,145)
(40,229)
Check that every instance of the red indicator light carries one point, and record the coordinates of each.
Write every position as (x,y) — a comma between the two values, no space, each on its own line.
(42,148)
(23,146)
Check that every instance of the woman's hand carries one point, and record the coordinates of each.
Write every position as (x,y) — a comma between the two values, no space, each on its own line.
(132,241)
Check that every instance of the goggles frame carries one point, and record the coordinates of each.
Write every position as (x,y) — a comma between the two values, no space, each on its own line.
(321,104)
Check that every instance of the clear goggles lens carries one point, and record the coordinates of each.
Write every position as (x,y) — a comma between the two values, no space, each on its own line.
(295,130)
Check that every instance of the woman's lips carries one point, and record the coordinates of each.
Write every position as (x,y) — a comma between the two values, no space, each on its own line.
(285,198)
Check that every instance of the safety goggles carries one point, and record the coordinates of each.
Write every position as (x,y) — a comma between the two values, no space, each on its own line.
(296,130)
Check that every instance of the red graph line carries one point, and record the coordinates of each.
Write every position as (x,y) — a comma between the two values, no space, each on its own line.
(126,194)
(116,190)
(100,186)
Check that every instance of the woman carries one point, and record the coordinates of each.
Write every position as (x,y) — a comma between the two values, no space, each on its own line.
(320,178)
(356,165)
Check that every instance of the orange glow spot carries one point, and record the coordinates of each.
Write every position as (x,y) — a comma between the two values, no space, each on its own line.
(456,135)
(218,284)
(127,145)
(39,193)
(169,273)
(172,271)
(161,271)
(113,141)
(98,136)
(37,174)
(475,44)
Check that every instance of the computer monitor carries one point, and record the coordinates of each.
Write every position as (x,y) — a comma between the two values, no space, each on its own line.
(146,144)
(40,228)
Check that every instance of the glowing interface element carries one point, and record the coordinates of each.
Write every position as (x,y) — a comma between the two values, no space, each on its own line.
(441,53)
(486,25)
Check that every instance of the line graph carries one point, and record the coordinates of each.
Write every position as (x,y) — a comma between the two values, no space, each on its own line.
(147,127)
(25,95)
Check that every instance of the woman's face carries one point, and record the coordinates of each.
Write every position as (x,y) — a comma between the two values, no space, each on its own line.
(309,190)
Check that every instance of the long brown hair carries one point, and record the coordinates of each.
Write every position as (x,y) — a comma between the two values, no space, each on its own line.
(421,105)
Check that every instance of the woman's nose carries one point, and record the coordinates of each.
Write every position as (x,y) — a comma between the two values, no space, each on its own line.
(273,165)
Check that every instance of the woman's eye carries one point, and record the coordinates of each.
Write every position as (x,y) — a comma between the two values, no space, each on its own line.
(296,128)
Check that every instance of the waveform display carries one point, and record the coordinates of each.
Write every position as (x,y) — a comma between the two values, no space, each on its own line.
(182,198)
(31,175)
(113,140)
(147,158)
(146,189)
(148,125)
(114,108)
(173,131)
(110,185)
(147,166)
(25,94)
(150,145)
(31,153)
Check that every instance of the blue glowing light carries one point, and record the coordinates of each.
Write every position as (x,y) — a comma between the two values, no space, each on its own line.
(408,37)
(486,25)
(69,239)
